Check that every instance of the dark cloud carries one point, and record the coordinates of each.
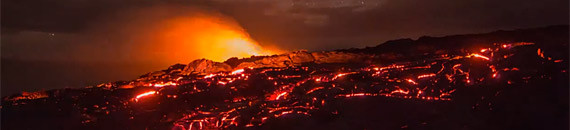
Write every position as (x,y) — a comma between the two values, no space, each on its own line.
(356,23)
(291,24)
(308,19)
(70,15)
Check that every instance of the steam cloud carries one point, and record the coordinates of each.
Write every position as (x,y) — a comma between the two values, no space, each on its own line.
(167,35)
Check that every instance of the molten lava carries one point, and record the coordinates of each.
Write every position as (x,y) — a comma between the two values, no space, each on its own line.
(144,95)
(257,97)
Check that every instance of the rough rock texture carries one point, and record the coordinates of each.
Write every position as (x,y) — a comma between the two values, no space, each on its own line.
(272,61)
(300,57)
(296,58)
(206,66)
(467,92)
(382,52)
(339,57)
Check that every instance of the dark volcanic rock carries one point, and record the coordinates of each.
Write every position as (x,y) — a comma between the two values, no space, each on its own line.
(340,57)
(501,80)
(206,66)
(283,60)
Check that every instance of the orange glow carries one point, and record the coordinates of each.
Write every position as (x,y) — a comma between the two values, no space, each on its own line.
(412,81)
(145,95)
(425,76)
(540,53)
(318,79)
(280,95)
(222,82)
(277,96)
(237,71)
(419,93)
(356,95)
(203,36)
(341,75)
(31,95)
(400,91)
(314,89)
(162,84)
(416,80)
(209,76)
(480,56)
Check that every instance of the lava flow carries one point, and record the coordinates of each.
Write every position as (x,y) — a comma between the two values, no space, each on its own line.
(459,84)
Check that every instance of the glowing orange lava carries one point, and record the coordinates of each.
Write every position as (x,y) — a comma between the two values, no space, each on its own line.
(144,95)
(211,37)
(239,71)
(162,84)
(480,56)
(426,76)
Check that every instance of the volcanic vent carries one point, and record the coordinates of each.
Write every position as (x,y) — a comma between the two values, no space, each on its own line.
(499,80)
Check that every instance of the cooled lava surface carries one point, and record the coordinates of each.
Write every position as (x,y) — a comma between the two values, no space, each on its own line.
(496,84)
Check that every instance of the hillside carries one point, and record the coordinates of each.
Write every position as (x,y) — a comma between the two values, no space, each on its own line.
(500,80)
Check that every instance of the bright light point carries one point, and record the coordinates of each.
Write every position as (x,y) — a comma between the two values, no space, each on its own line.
(209,76)
(480,56)
(237,71)
(411,81)
(162,84)
(280,95)
(145,95)
(426,76)
(400,91)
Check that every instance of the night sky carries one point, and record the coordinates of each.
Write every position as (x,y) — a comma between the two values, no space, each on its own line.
(50,44)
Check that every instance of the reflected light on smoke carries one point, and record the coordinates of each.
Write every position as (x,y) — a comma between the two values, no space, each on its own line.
(202,36)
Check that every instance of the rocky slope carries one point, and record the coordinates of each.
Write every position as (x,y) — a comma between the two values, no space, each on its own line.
(390,51)
(205,66)
(501,80)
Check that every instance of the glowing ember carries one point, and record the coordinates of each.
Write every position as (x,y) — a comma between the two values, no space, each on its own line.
(149,93)
(340,75)
(280,95)
(426,76)
(30,95)
(222,82)
(412,81)
(209,76)
(480,56)
(250,98)
(315,89)
(239,71)
(318,80)
(400,91)
(161,84)
(540,53)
